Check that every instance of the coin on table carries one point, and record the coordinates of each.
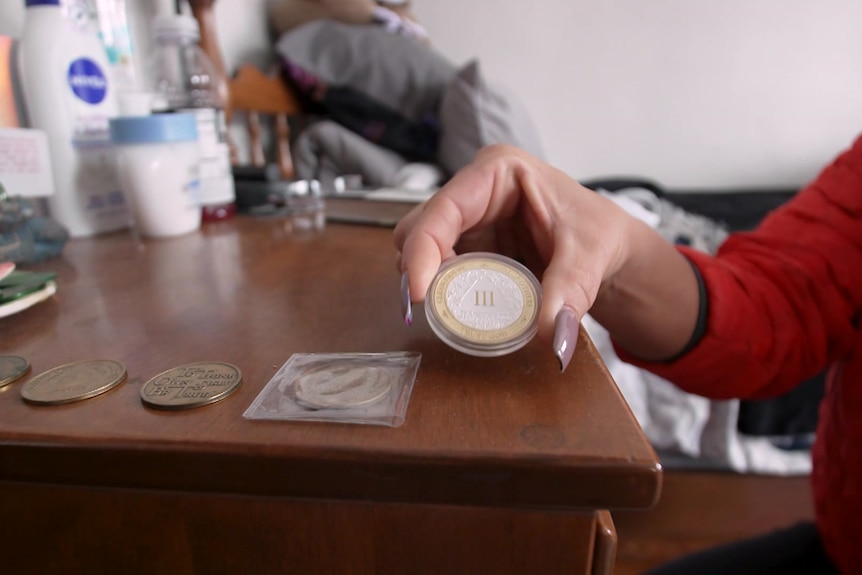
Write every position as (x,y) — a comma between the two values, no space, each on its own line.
(342,387)
(74,382)
(12,368)
(191,385)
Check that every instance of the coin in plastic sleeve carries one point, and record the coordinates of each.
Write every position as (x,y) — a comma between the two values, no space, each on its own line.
(342,387)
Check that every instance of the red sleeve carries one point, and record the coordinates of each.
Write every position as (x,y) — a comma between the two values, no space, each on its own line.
(784,301)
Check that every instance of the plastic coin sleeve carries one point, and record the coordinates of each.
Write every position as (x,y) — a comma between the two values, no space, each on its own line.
(369,388)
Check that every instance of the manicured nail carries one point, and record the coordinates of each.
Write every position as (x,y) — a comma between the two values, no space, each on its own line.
(566,328)
(406,306)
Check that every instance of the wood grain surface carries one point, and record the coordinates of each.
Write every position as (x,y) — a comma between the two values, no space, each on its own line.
(509,432)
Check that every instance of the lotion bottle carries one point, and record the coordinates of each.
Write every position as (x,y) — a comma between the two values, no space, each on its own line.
(68,93)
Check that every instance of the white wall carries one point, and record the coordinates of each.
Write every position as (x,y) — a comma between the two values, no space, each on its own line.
(687,92)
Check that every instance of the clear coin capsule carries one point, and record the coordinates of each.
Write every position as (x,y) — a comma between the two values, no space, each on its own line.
(484,304)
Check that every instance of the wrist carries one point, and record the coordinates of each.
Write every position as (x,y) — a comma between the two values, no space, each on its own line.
(638,241)
(650,305)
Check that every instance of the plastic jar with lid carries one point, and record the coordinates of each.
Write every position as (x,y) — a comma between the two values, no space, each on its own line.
(158,165)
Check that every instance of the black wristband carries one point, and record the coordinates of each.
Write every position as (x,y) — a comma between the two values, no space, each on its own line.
(702,315)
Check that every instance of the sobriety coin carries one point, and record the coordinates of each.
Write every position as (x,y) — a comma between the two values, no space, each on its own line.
(12,368)
(74,382)
(484,304)
(191,385)
(342,386)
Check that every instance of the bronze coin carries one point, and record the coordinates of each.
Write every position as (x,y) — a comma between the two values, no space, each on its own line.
(74,382)
(12,368)
(191,385)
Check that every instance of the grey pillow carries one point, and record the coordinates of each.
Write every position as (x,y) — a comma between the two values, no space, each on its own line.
(475,113)
(398,71)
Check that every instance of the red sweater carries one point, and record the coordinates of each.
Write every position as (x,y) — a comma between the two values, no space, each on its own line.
(785,301)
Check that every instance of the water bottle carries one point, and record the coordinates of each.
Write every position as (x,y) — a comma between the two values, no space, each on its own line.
(185,80)
(69,95)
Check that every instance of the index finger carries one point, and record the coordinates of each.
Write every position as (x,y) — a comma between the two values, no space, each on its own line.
(477,195)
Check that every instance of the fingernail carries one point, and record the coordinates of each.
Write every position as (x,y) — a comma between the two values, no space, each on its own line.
(566,328)
(406,306)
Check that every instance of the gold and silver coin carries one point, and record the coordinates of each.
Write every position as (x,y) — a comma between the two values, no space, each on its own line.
(484,304)
(74,382)
(191,385)
(342,386)
(12,368)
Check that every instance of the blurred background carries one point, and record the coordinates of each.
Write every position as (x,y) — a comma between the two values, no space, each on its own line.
(692,94)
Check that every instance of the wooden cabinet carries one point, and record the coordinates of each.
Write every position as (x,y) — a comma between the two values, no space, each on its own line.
(503,465)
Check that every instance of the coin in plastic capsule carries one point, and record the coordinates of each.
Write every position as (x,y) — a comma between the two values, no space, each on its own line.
(484,304)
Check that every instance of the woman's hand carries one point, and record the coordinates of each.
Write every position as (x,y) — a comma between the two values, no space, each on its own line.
(509,202)
(588,252)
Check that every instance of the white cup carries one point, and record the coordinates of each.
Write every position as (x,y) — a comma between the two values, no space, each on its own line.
(158,164)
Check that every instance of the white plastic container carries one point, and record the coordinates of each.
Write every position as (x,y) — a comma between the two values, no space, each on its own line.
(69,95)
(158,161)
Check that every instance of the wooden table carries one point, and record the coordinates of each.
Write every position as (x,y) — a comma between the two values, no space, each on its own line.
(503,465)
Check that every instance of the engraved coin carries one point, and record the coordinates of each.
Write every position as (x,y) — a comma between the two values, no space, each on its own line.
(191,385)
(484,304)
(12,368)
(74,382)
(343,386)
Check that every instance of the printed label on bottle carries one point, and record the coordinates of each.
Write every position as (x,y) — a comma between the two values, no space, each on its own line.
(216,179)
(87,81)
(95,203)
(99,183)
(87,102)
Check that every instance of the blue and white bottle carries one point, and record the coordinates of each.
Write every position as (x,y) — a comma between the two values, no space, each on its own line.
(69,95)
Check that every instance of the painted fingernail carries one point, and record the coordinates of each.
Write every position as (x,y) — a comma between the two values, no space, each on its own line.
(406,306)
(566,328)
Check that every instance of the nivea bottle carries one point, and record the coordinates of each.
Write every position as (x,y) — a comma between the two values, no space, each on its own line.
(68,94)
